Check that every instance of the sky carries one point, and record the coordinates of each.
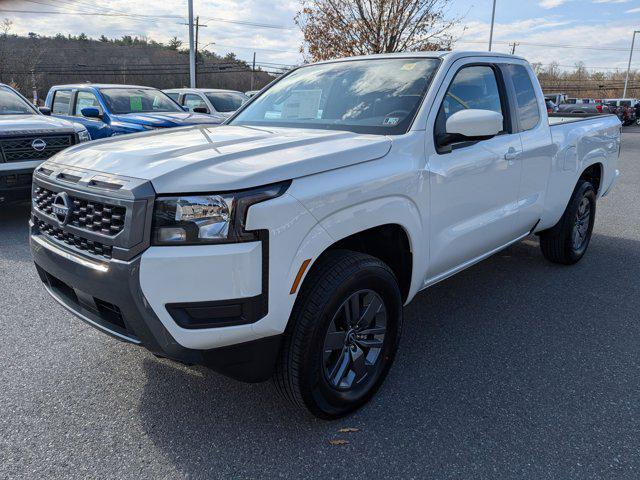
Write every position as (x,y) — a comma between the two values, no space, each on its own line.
(595,32)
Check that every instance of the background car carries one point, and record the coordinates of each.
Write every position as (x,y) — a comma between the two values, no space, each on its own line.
(107,110)
(27,138)
(206,100)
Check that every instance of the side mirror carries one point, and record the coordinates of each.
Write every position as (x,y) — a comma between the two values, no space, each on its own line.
(475,123)
(200,110)
(91,112)
(45,110)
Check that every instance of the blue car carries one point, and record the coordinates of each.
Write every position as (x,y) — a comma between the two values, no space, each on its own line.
(108,110)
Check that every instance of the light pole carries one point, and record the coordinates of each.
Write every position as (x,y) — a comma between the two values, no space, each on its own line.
(493,19)
(626,80)
(192,50)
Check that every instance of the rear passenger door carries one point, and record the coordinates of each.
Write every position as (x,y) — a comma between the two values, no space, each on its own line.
(537,146)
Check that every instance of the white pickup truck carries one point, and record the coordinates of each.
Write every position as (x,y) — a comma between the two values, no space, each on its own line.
(285,243)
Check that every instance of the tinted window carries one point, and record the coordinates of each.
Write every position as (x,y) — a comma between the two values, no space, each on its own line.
(12,104)
(174,96)
(473,87)
(226,101)
(83,100)
(378,96)
(192,101)
(61,100)
(528,111)
(137,100)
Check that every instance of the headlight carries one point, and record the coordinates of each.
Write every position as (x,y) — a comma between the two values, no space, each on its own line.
(84,136)
(206,219)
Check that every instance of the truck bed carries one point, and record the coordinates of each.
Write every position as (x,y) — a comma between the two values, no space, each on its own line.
(560,117)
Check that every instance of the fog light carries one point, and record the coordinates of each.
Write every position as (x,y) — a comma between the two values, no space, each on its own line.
(172,235)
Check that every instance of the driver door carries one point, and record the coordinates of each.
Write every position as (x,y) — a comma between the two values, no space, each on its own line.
(473,184)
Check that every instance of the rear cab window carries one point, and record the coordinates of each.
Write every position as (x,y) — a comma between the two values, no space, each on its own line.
(526,100)
(61,102)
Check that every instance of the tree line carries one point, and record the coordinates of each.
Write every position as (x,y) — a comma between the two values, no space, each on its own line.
(36,62)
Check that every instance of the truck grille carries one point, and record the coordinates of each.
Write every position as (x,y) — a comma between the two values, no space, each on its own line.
(15,180)
(19,149)
(56,233)
(86,215)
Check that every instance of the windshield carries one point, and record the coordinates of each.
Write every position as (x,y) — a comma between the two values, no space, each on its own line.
(364,96)
(226,101)
(138,100)
(12,104)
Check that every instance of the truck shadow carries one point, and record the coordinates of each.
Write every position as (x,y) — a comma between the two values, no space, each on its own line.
(14,231)
(512,356)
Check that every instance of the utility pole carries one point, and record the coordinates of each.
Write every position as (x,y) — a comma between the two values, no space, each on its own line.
(33,85)
(626,80)
(196,49)
(253,69)
(493,20)
(513,47)
(192,51)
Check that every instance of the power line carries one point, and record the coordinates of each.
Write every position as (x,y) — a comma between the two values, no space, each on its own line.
(551,45)
(145,17)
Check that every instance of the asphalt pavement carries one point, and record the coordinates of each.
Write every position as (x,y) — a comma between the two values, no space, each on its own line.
(515,368)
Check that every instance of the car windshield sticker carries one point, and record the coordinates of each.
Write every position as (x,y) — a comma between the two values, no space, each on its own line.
(408,66)
(302,104)
(135,103)
(391,121)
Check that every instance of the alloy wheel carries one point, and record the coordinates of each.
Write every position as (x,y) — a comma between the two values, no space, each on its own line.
(354,340)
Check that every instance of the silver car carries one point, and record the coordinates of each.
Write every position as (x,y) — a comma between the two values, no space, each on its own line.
(208,100)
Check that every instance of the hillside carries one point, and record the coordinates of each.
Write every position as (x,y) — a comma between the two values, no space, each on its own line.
(46,61)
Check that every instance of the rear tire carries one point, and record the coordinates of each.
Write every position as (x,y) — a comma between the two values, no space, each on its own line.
(342,336)
(567,242)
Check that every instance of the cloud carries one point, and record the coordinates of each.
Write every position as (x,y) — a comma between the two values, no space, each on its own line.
(548,4)
(611,1)
(633,10)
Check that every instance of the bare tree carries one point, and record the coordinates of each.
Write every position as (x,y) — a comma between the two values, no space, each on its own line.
(5,28)
(339,28)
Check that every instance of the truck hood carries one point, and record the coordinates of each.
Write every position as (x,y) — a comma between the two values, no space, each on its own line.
(209,159)
(169,119)
(33,124)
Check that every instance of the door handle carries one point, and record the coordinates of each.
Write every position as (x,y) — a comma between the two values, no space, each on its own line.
(511,155)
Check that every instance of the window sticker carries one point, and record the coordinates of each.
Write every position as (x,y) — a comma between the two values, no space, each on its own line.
(302,104)
(135,103)
(408,67)
(391,121)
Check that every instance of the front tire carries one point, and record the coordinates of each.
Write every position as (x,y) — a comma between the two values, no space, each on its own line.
(342,335)
(567,242)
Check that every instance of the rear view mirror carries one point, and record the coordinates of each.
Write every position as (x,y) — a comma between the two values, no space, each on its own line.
(91,112)
(475,123)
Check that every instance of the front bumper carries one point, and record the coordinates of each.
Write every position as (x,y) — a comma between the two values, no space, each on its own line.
(15,180)
(110,296)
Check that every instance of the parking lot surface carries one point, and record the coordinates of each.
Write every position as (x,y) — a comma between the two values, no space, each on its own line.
(515,368)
